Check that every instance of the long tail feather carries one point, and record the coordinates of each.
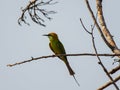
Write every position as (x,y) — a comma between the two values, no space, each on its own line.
(76,80)
(69,68)
(72,72)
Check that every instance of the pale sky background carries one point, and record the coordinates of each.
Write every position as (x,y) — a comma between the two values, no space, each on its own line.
(18,43)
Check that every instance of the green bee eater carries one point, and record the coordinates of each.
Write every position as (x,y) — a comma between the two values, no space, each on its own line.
(57,47)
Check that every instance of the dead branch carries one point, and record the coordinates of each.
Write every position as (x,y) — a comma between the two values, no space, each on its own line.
(109,83)
(94,20)
(114,70)
(109,39)
(83,54)
(105,40)
(34,10)
(102,65)
(85,27)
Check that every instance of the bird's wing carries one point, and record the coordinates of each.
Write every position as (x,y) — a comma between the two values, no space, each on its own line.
(60,50)
(51,47)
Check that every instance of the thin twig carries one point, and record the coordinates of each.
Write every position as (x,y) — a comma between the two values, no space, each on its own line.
(34,10)
(109,83)
(84,26)
(104,68)
(114,70)
(37,58)
(95,22)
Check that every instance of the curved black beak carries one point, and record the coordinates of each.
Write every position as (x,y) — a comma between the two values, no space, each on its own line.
(45,35)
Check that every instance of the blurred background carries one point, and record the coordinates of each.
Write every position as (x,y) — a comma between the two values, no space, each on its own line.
(18,43)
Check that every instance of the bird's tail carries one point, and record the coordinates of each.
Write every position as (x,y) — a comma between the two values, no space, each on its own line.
(69,69)
(71,72)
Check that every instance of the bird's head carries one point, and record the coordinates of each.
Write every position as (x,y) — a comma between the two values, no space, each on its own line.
(52,36)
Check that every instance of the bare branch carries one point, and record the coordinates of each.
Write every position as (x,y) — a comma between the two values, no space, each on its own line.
(107,35)
(105,70)
(95,22)
(109,83)
(102,65)
(84,27)
(34,10)
(114,70)
(37,58)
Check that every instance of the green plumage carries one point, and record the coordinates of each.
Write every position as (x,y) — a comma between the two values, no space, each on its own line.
(58,48)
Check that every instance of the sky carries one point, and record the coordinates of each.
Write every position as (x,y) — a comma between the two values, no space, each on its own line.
(19,43)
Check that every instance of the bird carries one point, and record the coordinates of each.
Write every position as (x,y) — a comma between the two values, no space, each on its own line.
(57,47)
